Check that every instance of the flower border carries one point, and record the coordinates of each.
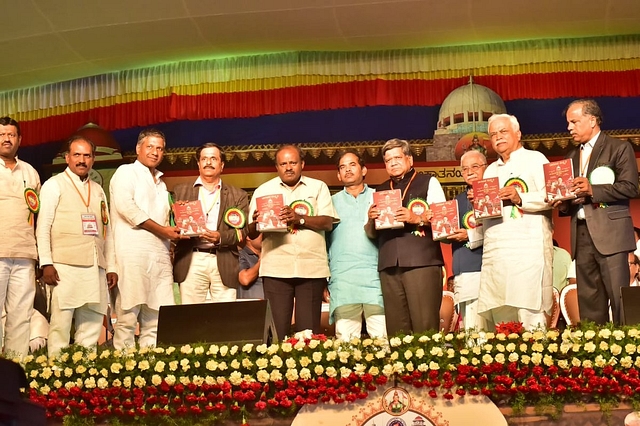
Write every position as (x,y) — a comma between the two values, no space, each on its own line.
(589,364)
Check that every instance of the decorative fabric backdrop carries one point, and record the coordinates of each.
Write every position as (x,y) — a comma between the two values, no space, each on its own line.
(255,86)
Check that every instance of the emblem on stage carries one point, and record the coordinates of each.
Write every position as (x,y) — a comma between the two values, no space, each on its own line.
(396,401)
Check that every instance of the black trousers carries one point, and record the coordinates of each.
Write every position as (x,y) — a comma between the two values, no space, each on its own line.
(599,278)
(412,298)
(307,293)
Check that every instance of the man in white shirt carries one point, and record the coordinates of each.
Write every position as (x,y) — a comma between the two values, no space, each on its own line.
(140,212)
(76,250)
(19,202)
(516,279)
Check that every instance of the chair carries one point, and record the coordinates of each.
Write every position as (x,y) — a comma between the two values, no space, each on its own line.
(447,312)
(569,304)
(552,320)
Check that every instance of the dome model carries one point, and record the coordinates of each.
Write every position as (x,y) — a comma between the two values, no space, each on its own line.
(468,108)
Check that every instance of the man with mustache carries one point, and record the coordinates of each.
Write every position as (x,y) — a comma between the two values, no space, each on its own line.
(516,279)
(20,185)
(209,262)
(76,250)
(354,285)
(294,264)
(601,226)
(140,206)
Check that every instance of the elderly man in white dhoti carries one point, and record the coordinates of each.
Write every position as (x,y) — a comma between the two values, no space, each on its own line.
(516,279)
(140,207)
(76,250)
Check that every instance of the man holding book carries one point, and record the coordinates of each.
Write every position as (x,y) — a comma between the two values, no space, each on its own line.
(516,279)
(409,261)
(142,234)
(467,244)
(294,262)
(601,225)
(208,262)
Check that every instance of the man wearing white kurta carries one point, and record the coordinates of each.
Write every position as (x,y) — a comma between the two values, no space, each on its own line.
(18,251)
(516,279)
(140,213)
(76,250)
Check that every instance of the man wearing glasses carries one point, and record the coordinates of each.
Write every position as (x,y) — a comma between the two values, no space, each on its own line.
(467,244)
(19,202)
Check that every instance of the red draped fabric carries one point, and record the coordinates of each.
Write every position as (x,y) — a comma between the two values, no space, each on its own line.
(329,96)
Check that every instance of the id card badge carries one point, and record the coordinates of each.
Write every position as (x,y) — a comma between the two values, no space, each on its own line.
(89,224)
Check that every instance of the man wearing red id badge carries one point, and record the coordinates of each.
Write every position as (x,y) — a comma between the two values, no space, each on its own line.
(76,249)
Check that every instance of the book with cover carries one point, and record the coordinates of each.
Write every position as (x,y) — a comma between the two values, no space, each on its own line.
(387,202)
(444,222)
(486,202)
(189,217)
(268,208)
(558,178)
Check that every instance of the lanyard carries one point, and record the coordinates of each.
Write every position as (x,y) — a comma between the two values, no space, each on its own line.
(86,203)
(203,198)
(404,193)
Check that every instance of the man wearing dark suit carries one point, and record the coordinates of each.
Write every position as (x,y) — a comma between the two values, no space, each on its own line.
(409,261)
(602,230)
(210,262)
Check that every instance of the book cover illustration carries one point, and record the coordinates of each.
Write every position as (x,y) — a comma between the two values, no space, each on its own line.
(387,202)
(444,222)
(558,179)
(486,202)
(268,208)
(189,217)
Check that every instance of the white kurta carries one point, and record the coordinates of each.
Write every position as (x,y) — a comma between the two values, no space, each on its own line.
(144,267)
(518,252)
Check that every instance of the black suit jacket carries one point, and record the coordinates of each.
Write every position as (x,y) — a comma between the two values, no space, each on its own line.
(227,254)
(610,227)
(399,247)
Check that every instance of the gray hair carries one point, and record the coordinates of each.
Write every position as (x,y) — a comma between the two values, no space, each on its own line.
(397,143)
(515,126)
(474,152)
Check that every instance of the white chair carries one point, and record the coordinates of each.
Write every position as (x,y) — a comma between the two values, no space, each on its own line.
(569,304)
(552,320)
(447,312)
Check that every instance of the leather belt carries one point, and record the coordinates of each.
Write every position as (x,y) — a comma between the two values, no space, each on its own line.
(210,250)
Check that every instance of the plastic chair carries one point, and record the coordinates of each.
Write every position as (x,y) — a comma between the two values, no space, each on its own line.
(569,304)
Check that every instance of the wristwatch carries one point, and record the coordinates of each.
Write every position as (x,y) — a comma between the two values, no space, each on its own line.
(301,221)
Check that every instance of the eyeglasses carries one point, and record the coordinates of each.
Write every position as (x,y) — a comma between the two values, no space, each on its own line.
(474,168)
(8,135)
(500,132)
